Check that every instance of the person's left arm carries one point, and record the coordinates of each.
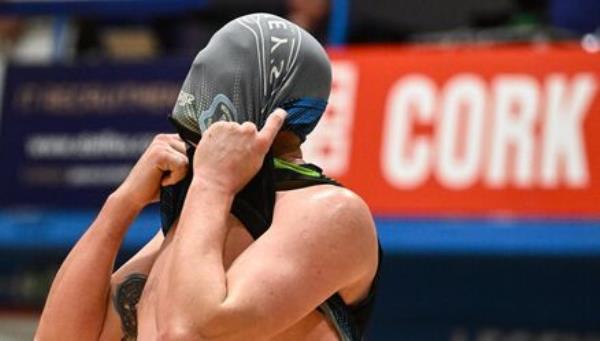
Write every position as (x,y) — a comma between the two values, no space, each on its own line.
(306,255)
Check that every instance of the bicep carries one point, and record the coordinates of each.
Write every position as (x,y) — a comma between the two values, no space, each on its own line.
(127,284)
(295,266)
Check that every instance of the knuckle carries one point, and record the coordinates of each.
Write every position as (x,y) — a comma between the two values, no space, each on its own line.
(171,138)
(248,127)
(182,161)
(160,138)
(219,125)
(161,150)
(154,154)
(211,128)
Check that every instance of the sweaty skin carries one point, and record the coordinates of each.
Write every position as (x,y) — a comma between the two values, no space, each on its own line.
(208,280)
(312,326)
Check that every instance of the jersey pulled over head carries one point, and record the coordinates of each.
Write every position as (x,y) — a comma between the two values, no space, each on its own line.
(250,67)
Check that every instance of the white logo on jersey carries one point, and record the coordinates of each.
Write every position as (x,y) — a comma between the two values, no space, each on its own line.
(185,98)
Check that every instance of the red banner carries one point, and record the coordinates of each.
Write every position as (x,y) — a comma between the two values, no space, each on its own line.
(465,130)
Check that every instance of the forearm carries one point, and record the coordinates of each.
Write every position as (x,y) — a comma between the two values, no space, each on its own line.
(195,300)
(76,304)
(196,275)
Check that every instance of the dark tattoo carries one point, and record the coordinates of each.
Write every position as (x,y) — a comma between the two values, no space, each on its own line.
(125,300)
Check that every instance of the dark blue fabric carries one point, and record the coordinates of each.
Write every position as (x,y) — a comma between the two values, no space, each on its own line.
(581,16)
(303,115)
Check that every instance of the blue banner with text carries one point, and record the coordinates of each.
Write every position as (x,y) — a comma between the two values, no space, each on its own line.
(69,134)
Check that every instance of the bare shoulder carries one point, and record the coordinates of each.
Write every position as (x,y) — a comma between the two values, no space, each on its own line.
(336,205)
(337,218)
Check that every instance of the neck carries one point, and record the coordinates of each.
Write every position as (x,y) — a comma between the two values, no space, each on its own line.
(287,147)
(293,156)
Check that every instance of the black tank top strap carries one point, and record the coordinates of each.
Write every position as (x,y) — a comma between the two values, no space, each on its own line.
(341,317)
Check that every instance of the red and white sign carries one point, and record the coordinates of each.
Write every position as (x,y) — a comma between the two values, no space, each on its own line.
(465,131)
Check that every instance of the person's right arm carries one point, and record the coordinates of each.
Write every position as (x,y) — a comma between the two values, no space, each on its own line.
(76,305)
(127,284)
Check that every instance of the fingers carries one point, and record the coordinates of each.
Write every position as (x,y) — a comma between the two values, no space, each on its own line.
(169,155)
(248,128)
(272,126)
(174,165)
(176,143)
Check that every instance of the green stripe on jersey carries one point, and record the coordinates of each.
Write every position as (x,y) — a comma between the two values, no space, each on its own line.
(281,164)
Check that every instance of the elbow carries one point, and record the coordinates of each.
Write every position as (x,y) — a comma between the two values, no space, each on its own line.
(227,322)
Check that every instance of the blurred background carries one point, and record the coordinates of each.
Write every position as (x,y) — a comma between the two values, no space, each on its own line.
(468,126)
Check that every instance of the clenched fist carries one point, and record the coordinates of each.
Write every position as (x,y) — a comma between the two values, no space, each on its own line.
(163,163)
(230,154)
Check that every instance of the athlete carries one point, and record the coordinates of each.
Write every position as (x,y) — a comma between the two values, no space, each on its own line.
(255,243)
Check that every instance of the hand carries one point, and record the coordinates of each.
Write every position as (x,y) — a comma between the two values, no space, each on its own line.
(230,154)
(163,163)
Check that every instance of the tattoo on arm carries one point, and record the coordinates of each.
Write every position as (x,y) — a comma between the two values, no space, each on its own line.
(125,300)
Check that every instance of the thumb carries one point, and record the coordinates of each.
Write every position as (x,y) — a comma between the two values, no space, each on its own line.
(274,123)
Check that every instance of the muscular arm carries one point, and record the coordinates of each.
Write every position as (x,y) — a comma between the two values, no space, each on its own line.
(127,284)
(76,304)
(306,255)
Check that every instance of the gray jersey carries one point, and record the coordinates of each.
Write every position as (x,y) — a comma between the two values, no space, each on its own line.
(251,66)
